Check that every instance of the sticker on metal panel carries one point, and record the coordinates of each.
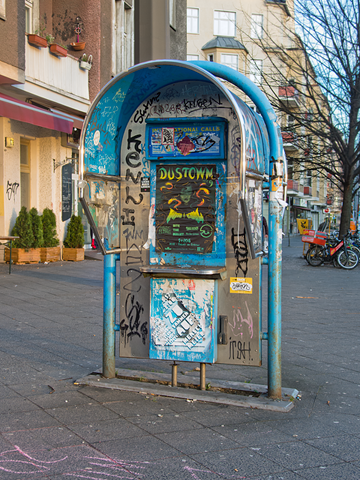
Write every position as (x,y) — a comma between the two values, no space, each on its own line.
(240,285)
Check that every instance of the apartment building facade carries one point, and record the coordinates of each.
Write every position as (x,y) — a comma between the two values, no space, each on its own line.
(234,34)
(45,91)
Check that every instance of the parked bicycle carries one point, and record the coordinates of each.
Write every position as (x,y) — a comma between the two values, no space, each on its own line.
(332,249)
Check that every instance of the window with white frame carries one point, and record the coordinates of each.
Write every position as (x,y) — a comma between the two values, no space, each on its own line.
(192,20)
(256,68)
(230,60)
(257,26)
(224,23)
(28,16)
(190,57)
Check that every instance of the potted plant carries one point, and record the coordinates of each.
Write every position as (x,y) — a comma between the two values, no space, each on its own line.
(55,48)
(23,250)
(78,45)
(38,39)
(73,248)
(86,61)
(50,252)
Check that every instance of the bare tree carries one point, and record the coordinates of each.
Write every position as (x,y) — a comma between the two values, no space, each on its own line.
(316,52)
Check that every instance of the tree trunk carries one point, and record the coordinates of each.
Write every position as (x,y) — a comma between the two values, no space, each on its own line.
(346,210)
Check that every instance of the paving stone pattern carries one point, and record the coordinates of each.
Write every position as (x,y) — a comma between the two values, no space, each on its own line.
(51,335)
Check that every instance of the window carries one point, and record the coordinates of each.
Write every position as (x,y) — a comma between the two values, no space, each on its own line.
(256,67)
(192,57)
(28,16)
(308,179)
(210,57)
(192,20)
(290,165)
(224,24)
(25,174)
(256,26)
(230,60)
(172,14)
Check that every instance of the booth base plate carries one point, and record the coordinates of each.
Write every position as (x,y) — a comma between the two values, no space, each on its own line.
(242,394)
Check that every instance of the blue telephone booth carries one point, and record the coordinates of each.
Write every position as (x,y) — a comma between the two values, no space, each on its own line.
(173,167)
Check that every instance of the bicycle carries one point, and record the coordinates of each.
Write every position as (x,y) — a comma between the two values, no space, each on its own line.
(334,250)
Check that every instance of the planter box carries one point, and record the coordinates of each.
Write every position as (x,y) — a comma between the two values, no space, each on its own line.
(85,65)
(37,41)
(50,254)
(73,254)
(78,45)
(21,256)
(58,50)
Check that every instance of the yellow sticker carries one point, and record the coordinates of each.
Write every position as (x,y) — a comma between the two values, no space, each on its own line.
(240,285)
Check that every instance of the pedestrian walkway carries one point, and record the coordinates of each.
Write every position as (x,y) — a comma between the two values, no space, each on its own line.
(51,335)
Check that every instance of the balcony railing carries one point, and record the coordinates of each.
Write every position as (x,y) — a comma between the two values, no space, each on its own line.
(53,78)
(293,186)
(307,191)
(289,96)
(290,141)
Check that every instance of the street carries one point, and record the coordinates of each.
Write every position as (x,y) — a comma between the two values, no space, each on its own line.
(51,335)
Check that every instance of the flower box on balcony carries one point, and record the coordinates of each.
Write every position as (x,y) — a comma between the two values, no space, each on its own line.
(37,41)
(58,50)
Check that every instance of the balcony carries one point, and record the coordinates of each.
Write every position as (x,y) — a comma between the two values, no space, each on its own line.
(52,81)
(289,96)
(292,188)
(290,143)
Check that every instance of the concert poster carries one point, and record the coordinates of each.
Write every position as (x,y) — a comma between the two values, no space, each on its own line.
(185,208)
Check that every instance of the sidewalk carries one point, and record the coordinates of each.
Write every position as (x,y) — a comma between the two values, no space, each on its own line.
(51,335)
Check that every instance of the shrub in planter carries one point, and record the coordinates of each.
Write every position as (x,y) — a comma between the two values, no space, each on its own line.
(51,250)
(37,228)
(74,241)
(23,250)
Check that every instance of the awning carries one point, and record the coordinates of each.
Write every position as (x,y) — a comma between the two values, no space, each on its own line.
(301,208)
(24,112)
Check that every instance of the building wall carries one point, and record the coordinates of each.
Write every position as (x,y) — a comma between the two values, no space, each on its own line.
(12,32)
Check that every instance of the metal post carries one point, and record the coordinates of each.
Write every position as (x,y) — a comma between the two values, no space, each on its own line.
(202,376)
(274,286)
(109,316)
(10,262)
(174,375)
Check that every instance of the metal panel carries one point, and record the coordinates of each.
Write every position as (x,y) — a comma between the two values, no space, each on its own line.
(182,321)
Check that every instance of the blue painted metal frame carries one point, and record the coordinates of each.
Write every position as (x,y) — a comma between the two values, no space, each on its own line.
(275,217)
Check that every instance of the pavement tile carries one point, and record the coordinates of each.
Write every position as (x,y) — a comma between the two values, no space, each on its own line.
(307,429)
(107,430)
(43,438)
(224,416)
(254,433)
(340,471)
(10,422)
(296,455)
(81,414)
(140,406)
(162,423)
(146,448)
(242,462)
(345,447)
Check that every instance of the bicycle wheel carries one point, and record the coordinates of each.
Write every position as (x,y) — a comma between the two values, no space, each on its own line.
(314,256)
(347,260)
